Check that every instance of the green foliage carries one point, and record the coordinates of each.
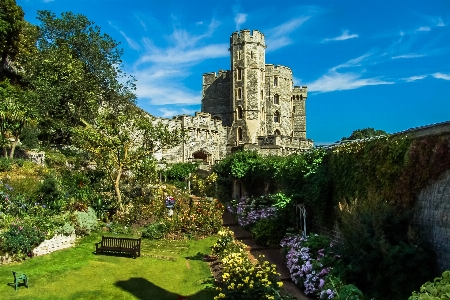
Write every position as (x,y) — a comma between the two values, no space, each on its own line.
(268,232)
(5,164)
(155,231)
(55,159)
(380,253)
(11,23)
(436,290)
(85,222)
(342,291)
(21,238)
(180,171)
(30,137)
(51,192)
(364,133)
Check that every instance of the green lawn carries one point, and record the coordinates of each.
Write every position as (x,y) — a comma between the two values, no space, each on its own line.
(165,270)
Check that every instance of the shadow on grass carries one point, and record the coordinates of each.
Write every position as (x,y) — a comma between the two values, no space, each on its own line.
(141,288)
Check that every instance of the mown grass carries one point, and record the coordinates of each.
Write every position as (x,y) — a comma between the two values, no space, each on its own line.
(165,270)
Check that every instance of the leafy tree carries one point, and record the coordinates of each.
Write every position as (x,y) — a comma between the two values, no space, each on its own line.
(364,133)
(118,141)
(75,70)
(11,23)
(16,111)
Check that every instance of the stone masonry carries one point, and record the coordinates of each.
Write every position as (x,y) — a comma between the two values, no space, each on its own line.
(253,106)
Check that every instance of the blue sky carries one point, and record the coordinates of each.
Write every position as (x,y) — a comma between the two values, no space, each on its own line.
(383,64)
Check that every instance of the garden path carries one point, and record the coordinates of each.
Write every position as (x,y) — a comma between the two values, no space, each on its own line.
(273,255)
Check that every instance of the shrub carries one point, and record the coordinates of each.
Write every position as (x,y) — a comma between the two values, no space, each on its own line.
(436,290)
(21,238)
(5,164)
(268,231)
(155,230)
(85,222)
(51,192)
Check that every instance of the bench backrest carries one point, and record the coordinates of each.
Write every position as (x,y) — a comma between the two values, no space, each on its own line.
(114,242)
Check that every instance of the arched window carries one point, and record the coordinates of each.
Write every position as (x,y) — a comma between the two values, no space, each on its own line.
(239,112)
(275,81)
(239,54)
(276,117)
(239,134)
(277,132)
(276,99)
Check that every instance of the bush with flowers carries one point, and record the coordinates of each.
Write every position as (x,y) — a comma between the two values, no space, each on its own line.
(310,261)
(20,239)
(241,278)
(263,216)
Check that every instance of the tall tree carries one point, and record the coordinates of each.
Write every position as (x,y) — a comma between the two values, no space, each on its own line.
(76,69)
(121,141)
(11,23)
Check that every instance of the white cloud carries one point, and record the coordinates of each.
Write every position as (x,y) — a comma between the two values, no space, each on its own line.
(133,44)
(47,1)
(439,75)
(280,36)
(167,113)
(355,62)
(344,36)
(240,19)
(414,78)
(423,28)
(335,81)
(409,55)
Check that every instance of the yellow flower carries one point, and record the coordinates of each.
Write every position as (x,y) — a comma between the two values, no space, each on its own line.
(280,284)
(221,295)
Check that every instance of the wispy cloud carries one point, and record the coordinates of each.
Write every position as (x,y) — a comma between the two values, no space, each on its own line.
(344,36)
(280,36)
(161,68)
(415,78)
(409,55)
(423,28)
(47,1)
(335,81)
(133,44)
(239,19)
(439,75)
(355,62)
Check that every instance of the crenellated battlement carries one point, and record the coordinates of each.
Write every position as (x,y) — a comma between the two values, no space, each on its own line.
(278,70)
(247,36)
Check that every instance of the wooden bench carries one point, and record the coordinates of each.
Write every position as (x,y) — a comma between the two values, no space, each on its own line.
(117,244)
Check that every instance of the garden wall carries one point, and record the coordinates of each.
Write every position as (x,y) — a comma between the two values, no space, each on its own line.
(433,217)
(58,242)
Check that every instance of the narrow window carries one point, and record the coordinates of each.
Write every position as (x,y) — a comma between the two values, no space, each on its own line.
(276,99)
(262,95)
(239,134)
(277,132)
(239,54)
(239,112)
(239,93)
(293,109)
(276,117)
(239,74)
(275,81)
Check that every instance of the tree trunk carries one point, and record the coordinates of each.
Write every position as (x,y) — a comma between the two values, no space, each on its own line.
(117,188)
(13,148)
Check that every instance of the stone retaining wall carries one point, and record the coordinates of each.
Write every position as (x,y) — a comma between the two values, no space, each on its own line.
(58,242)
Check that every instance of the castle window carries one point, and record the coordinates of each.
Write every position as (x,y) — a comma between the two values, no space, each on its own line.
(239,93)
(277,132)
(275,81)
(239,74)
(239,134)
(262,95)
(276,117)
(239,54)
(251,54)
(293,109)
(239,112)
(276,99)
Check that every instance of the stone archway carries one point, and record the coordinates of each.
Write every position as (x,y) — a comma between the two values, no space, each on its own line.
(202,154)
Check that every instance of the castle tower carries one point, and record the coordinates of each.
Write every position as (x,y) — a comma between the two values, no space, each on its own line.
(247,53)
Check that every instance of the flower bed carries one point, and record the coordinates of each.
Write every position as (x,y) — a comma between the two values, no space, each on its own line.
(242,278)
(310,261)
